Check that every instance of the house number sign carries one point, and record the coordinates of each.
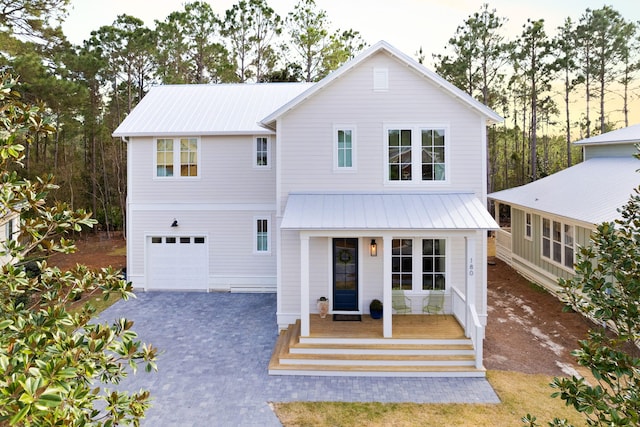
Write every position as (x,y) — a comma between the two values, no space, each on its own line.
(471,266)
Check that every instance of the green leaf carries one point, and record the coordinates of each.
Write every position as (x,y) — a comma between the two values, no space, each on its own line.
(20,415)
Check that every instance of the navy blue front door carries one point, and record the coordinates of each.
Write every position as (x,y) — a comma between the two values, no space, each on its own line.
(345,274)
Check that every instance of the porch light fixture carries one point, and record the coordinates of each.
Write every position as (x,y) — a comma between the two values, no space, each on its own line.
(373,248)
(174,223)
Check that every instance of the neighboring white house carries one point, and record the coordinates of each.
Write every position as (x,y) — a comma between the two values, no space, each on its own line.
(548,219)
(370,180)
(9,227)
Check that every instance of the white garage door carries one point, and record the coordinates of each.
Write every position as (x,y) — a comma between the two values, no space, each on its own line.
(177,262)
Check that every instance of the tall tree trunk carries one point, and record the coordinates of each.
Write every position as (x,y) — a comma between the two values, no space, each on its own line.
(567,85)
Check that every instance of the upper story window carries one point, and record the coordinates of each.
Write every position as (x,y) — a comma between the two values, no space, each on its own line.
(416,154)
(177,154)
(557,242)
(262,152)
(344,148)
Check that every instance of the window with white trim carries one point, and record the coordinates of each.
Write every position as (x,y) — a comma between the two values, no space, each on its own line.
(402,264)
(344,148)
(176,154)
(262,152)
(9,230)
(558,242)
(261,235)
(421,270)
(416,154)
(527,225)
(433,264)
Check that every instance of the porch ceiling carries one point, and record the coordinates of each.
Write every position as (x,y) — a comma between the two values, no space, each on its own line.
(385,211)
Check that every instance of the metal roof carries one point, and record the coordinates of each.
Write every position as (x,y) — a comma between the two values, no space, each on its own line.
(386,211)
(490,115)
(216,109)
(624,135)
(590,191)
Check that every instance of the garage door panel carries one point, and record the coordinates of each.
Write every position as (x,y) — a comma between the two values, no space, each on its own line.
(177,262)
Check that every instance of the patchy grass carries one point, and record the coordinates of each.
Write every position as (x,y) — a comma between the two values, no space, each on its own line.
(519,394)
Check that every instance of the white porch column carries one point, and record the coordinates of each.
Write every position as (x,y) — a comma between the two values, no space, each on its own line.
(470,279)
(304,285)
(387,308)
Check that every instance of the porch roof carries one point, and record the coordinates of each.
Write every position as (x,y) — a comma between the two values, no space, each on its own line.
(386,211)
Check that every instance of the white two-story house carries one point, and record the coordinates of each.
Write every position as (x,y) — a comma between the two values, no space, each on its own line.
(369,181)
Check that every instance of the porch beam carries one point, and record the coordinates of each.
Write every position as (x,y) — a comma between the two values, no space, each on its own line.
(304,285)
(387,307)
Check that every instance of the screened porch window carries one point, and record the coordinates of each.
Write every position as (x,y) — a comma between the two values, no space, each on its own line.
(558,242)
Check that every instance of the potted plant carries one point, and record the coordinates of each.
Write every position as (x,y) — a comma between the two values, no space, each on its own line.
(375,309)
(323,307)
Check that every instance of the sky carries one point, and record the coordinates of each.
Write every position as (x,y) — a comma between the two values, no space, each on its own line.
(406,24)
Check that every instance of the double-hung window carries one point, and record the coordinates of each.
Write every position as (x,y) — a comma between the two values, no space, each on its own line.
(344,148)
(528,226)
(177,157)
(416,153)
(433,264)
(418,265)
(262,153)
(557,242)
(262,235)
(9,230)
(402,264)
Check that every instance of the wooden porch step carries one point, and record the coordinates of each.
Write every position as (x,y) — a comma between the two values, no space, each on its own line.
(377,371)
(376,360)
(389,357)
(384,349)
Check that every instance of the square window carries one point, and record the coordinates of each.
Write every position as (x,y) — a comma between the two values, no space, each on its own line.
(176,154)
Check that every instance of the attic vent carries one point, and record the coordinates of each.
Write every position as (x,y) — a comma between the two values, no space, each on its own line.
(380,79)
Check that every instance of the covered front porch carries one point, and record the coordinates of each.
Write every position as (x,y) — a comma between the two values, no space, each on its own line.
(354,248)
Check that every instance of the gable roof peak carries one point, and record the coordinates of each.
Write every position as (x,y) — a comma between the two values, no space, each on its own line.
(382,45)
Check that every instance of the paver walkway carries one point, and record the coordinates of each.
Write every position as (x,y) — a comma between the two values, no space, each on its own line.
(215,349)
